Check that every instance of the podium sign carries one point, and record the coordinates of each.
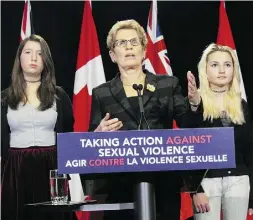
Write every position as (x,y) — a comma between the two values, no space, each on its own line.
(146,150)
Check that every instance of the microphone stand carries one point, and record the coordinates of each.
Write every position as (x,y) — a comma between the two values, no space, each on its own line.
(138,88)
(145,208)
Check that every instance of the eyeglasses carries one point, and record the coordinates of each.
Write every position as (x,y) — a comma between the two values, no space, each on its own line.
(123,43)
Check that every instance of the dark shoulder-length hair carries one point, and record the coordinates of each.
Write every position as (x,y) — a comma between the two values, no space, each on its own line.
(46,92)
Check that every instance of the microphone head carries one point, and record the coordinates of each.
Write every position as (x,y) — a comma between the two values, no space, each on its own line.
(140,86)
(135,86)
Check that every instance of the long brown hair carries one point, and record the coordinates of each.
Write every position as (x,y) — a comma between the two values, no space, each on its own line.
(47,89)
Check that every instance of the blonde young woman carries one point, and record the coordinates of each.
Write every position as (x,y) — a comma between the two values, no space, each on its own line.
(222,106)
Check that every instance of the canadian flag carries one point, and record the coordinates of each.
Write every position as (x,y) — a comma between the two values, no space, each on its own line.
(89,74)
(26,29)
(90,71)
(225,38)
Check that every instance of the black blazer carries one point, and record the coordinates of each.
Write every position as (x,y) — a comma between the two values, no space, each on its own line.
(161,106)
(64,123)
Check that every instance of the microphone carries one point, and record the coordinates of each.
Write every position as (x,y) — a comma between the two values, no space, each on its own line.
(138,88)
(135,87)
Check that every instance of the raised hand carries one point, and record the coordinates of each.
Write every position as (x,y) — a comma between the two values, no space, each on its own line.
(107,124)
(193,95)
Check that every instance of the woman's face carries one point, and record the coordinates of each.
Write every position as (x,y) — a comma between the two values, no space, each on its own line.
(220,69)
(30,59)
(128,51)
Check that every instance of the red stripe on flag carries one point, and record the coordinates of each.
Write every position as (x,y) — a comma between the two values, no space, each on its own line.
(24,17)
(88,46)
(225,36)
(150,16)
(186,206)
(83,215)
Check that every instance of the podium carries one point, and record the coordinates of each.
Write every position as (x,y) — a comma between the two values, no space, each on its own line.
(105,153)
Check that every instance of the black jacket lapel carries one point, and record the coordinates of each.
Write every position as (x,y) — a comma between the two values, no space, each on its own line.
(119,93)
(149,88)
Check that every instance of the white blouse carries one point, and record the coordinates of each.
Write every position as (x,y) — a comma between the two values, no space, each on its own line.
(31,127)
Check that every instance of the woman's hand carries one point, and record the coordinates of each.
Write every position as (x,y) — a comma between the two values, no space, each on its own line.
(193,95)
(250,212)
(201,202)
(107,124)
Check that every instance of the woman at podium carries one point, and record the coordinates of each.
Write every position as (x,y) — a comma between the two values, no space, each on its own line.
(116,106)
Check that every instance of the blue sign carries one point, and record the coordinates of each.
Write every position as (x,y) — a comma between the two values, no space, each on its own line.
(146,150)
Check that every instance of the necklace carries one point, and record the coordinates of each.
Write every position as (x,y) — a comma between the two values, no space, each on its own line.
(219,91)
(140,82)
(32,81)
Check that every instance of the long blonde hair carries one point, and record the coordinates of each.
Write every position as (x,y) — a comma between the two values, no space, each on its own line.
(232,99)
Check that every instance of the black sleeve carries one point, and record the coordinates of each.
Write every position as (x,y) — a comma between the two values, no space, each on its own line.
(96,114)
(249,148)
(5,130)
(192,119)
(5,138)
(193,179)
(68,117)
(179,104)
